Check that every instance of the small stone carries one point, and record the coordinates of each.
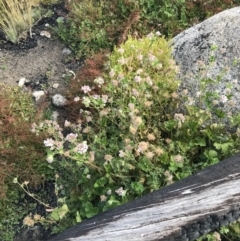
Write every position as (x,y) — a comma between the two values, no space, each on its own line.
(66,51)
(21,82)
(45,33)
(59,100)
(38,94)
(55,86)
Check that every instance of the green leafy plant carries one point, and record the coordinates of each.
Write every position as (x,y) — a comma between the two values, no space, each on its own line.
(135,132)
(92,25)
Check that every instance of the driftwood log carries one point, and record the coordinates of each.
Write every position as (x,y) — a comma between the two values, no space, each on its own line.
(182,211)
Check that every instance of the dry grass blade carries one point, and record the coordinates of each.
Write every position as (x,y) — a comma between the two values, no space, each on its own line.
(16,16)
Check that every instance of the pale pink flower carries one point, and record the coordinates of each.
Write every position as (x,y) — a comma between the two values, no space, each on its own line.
(168,141)
(99,81)
(174,95)
(87,129)
(215,102)
(158,33)
(198,94)
(104,98)
(111,73)
(185,92)
(96,97)
(115,83)
(50,158)
(150,35)
(152,58)
(49,142)
(86,89)
(28,221)
(103,198)
(159,151)
(169,177)
(179,117)
(108,157)
(137,79)
(122,61)
(33,130)
(159,66)
(140,57)
(149,155)
(127,141)
(86,101)
(137,120)
(132,130)
(227,91)
(71,137)
(151,137)
(135,92)
(88,118)
(76,99)
(37,217)
(120,191)
(231,102)
(223,98)
(82,147)
(149,80)
(142,146)
(139,71)
(178,158)
(120,76)
(148,103)
(122,153)
(91,156)
(121,50)
(235,81)
(191,101)
(131,106)
(104,112)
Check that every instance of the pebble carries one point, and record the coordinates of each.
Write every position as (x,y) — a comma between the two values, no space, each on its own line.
(38,94)
(66,51)
(23,81)
(45,33)
(59,100)
(55,86)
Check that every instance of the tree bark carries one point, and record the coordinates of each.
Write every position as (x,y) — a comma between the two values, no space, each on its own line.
(182,211)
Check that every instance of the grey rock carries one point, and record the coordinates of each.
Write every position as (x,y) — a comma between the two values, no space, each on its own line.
(38,94)
(192,49)
(66,51)
(59,100)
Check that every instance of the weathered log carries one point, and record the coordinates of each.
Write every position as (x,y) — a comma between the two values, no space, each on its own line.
(182,211)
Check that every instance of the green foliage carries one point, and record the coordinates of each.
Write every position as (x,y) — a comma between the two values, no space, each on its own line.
(95,25)
(11,213)
(130,137)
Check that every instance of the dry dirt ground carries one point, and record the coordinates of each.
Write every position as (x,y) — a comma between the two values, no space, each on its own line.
(45,66)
